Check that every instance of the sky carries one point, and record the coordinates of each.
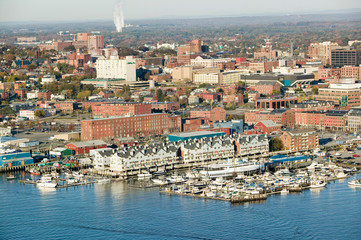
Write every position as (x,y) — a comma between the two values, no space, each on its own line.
(93,10)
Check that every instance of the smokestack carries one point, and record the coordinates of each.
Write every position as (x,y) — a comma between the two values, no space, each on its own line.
(119,16)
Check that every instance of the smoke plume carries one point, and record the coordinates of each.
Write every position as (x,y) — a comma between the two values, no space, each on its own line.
(119,16)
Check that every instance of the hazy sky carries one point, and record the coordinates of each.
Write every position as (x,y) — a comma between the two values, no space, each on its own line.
(84,10)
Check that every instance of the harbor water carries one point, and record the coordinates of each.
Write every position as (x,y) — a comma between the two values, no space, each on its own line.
(119,211)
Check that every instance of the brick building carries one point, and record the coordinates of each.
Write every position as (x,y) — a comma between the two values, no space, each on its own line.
(236,99)
(285,117)
(209,114)
(340,96)
(120,109)
(276,102)
(331,119)
(141,125)
(300,140)
(44,95)
(267,87)
(66,106)
(165,106)
(267,127)
(85,147)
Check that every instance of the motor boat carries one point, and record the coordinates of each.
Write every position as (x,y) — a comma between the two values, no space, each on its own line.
(159,182)
(228,169)
(318,184)
(355,183)
(175,179)
(285,191)
(46,181)
(11,177)
(103,181)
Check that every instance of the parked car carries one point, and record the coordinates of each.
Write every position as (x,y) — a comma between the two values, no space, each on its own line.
(355,155)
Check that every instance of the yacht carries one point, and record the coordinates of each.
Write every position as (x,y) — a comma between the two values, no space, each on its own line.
(229,168)
(46,181)
(175,179)
(11,177)
(104,180)
(355,183)
(159,182)
(318,184)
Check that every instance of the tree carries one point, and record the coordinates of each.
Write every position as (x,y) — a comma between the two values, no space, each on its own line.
(314,90)
(71,127)
(21,125)
(40,113)
(276,92)
(83,94)
(30,124)
(275,145)
(160,95)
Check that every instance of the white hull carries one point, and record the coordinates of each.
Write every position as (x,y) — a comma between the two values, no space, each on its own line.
(47,184)
(229,171)
(159,182)
(354,184)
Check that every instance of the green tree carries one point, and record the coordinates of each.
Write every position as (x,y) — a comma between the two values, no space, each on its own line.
(160,95)
(314,90)
(83,95)
(275,144)
(40,113)
(276,92)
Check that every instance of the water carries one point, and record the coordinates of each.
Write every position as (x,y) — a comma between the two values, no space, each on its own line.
(117,211)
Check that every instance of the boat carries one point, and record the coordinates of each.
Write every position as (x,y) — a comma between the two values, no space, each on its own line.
(103,181)
(229,168)
(175,179)
(144,174)
(11,177)
(341,175)
(285,191)
(46,181)
(318,184)
(159,182)
(355,183)
(160,172)
(35,171)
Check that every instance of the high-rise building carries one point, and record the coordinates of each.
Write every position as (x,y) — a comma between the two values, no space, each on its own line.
(115,68)
(95,42)
(342,57)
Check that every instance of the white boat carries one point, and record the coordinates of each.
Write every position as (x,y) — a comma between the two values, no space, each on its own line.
(175,179)
(159,182)
(46,181)
(144,174)
(355,183)
(78,175)
(285,191)
(11,177)
(229,168)
(318,184)
(341,175)
(104,180)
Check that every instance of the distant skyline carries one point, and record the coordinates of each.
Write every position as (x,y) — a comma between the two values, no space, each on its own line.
(92,10)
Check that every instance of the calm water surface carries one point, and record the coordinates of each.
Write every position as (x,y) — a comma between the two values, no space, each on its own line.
(117,211)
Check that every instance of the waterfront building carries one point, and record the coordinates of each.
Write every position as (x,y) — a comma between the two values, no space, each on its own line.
(300,140)
(11,158)
(85,146)
(182,152)
(193,135)
(129,126)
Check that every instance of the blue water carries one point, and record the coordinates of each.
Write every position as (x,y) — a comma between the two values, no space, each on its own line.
(118,211)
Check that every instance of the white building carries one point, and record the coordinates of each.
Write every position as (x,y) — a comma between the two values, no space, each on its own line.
(48,79)
(212,62)
(211,78)
(115,68)
(32,94)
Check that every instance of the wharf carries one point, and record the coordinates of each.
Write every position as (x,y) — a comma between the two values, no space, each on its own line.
(60,186)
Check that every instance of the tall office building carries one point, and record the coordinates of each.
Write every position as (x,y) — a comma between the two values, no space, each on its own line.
(115,68)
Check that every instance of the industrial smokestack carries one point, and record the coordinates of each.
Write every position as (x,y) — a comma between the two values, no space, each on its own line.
(119,16)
